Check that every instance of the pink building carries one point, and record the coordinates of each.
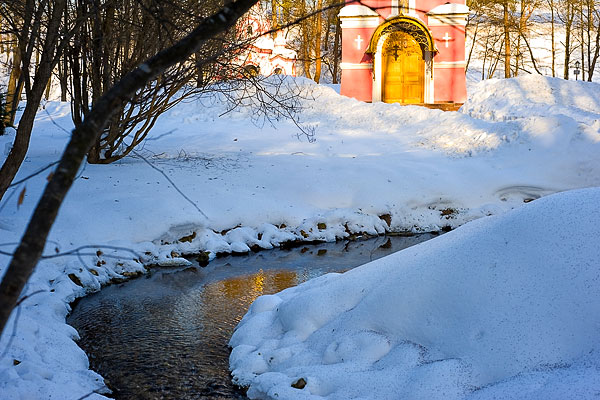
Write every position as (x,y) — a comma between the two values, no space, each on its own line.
(268,54)
(404,51)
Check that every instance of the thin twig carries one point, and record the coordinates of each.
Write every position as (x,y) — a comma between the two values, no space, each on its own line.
(17,316)
(13,333)
(6,200)
(34,174)
(171,182)
(78,250)
(22,299)
(55,123)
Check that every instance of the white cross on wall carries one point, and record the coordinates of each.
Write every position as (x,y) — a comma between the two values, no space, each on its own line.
(359,41)
(446,38)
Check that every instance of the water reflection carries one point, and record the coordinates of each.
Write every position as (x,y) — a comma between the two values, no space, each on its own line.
(165,335)
(253,286)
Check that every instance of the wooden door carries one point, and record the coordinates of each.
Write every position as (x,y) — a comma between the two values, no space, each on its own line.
(403,70)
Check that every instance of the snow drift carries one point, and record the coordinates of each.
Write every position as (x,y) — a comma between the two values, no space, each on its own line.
(496,298)
(513,141)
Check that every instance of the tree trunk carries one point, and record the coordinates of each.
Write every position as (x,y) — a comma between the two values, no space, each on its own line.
(552,35)
(306,56)
(63,64)
(596,52)
(506,21)
(3,49)
(336,50)
(589,36)
(317,36)
(62,78)
(48,87)
(34,97)
(274,22)
(533,62)
(473,44)
(15,87)
(518,54)
(20,145)
(568,24)
(495,63)
(485,56)
(32,244)
(582,40)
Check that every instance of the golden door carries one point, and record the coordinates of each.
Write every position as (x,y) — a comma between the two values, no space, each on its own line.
(403,70)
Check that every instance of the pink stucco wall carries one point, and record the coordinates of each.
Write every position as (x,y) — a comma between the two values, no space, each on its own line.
(357,83)
(382,7)
(456,45)
(450,85)
(351,51)
(449,78)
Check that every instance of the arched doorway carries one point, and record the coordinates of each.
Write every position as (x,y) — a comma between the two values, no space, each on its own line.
(403,69)
(403,50)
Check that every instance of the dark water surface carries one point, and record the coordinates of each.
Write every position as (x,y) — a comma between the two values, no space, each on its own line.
(165,335)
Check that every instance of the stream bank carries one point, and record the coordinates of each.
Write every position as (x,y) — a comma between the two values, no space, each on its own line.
(165,334)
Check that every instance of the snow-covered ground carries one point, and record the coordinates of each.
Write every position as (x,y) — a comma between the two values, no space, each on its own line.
(504,307)
(514,141)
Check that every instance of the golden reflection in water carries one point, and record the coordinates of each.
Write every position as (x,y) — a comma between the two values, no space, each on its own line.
(285,279)
(239,292)
(252,286)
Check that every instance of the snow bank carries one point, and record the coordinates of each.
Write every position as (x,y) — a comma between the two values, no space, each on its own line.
(419,169)
(509,299)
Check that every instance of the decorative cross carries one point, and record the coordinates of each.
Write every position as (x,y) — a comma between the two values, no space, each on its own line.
(359,41)
(396,48)
(446,38)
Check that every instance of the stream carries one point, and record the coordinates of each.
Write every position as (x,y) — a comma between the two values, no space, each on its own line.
(165,334)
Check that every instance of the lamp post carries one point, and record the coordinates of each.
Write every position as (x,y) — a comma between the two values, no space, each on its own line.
(577,71)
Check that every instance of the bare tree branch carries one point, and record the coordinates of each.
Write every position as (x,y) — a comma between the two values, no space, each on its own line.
(32,244)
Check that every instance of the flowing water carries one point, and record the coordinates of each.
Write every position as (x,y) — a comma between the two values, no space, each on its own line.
(165,335)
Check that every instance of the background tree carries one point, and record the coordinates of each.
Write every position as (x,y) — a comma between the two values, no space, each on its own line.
(594,20)
(112,43)
(317,39)
(272,104)
(36,26)
(32,244)
(570,25)
(566,15)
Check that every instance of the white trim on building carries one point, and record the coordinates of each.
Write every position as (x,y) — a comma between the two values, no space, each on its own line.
(360,22)
(450,64)
(356,65)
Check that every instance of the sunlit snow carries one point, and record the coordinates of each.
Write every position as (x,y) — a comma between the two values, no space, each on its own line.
(500,307)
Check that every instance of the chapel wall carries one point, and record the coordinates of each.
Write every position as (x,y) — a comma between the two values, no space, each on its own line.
(361,78)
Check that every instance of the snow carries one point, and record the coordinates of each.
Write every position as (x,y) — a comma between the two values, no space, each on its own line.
(260,185)
(498,297)
(448,9)
(357,10)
